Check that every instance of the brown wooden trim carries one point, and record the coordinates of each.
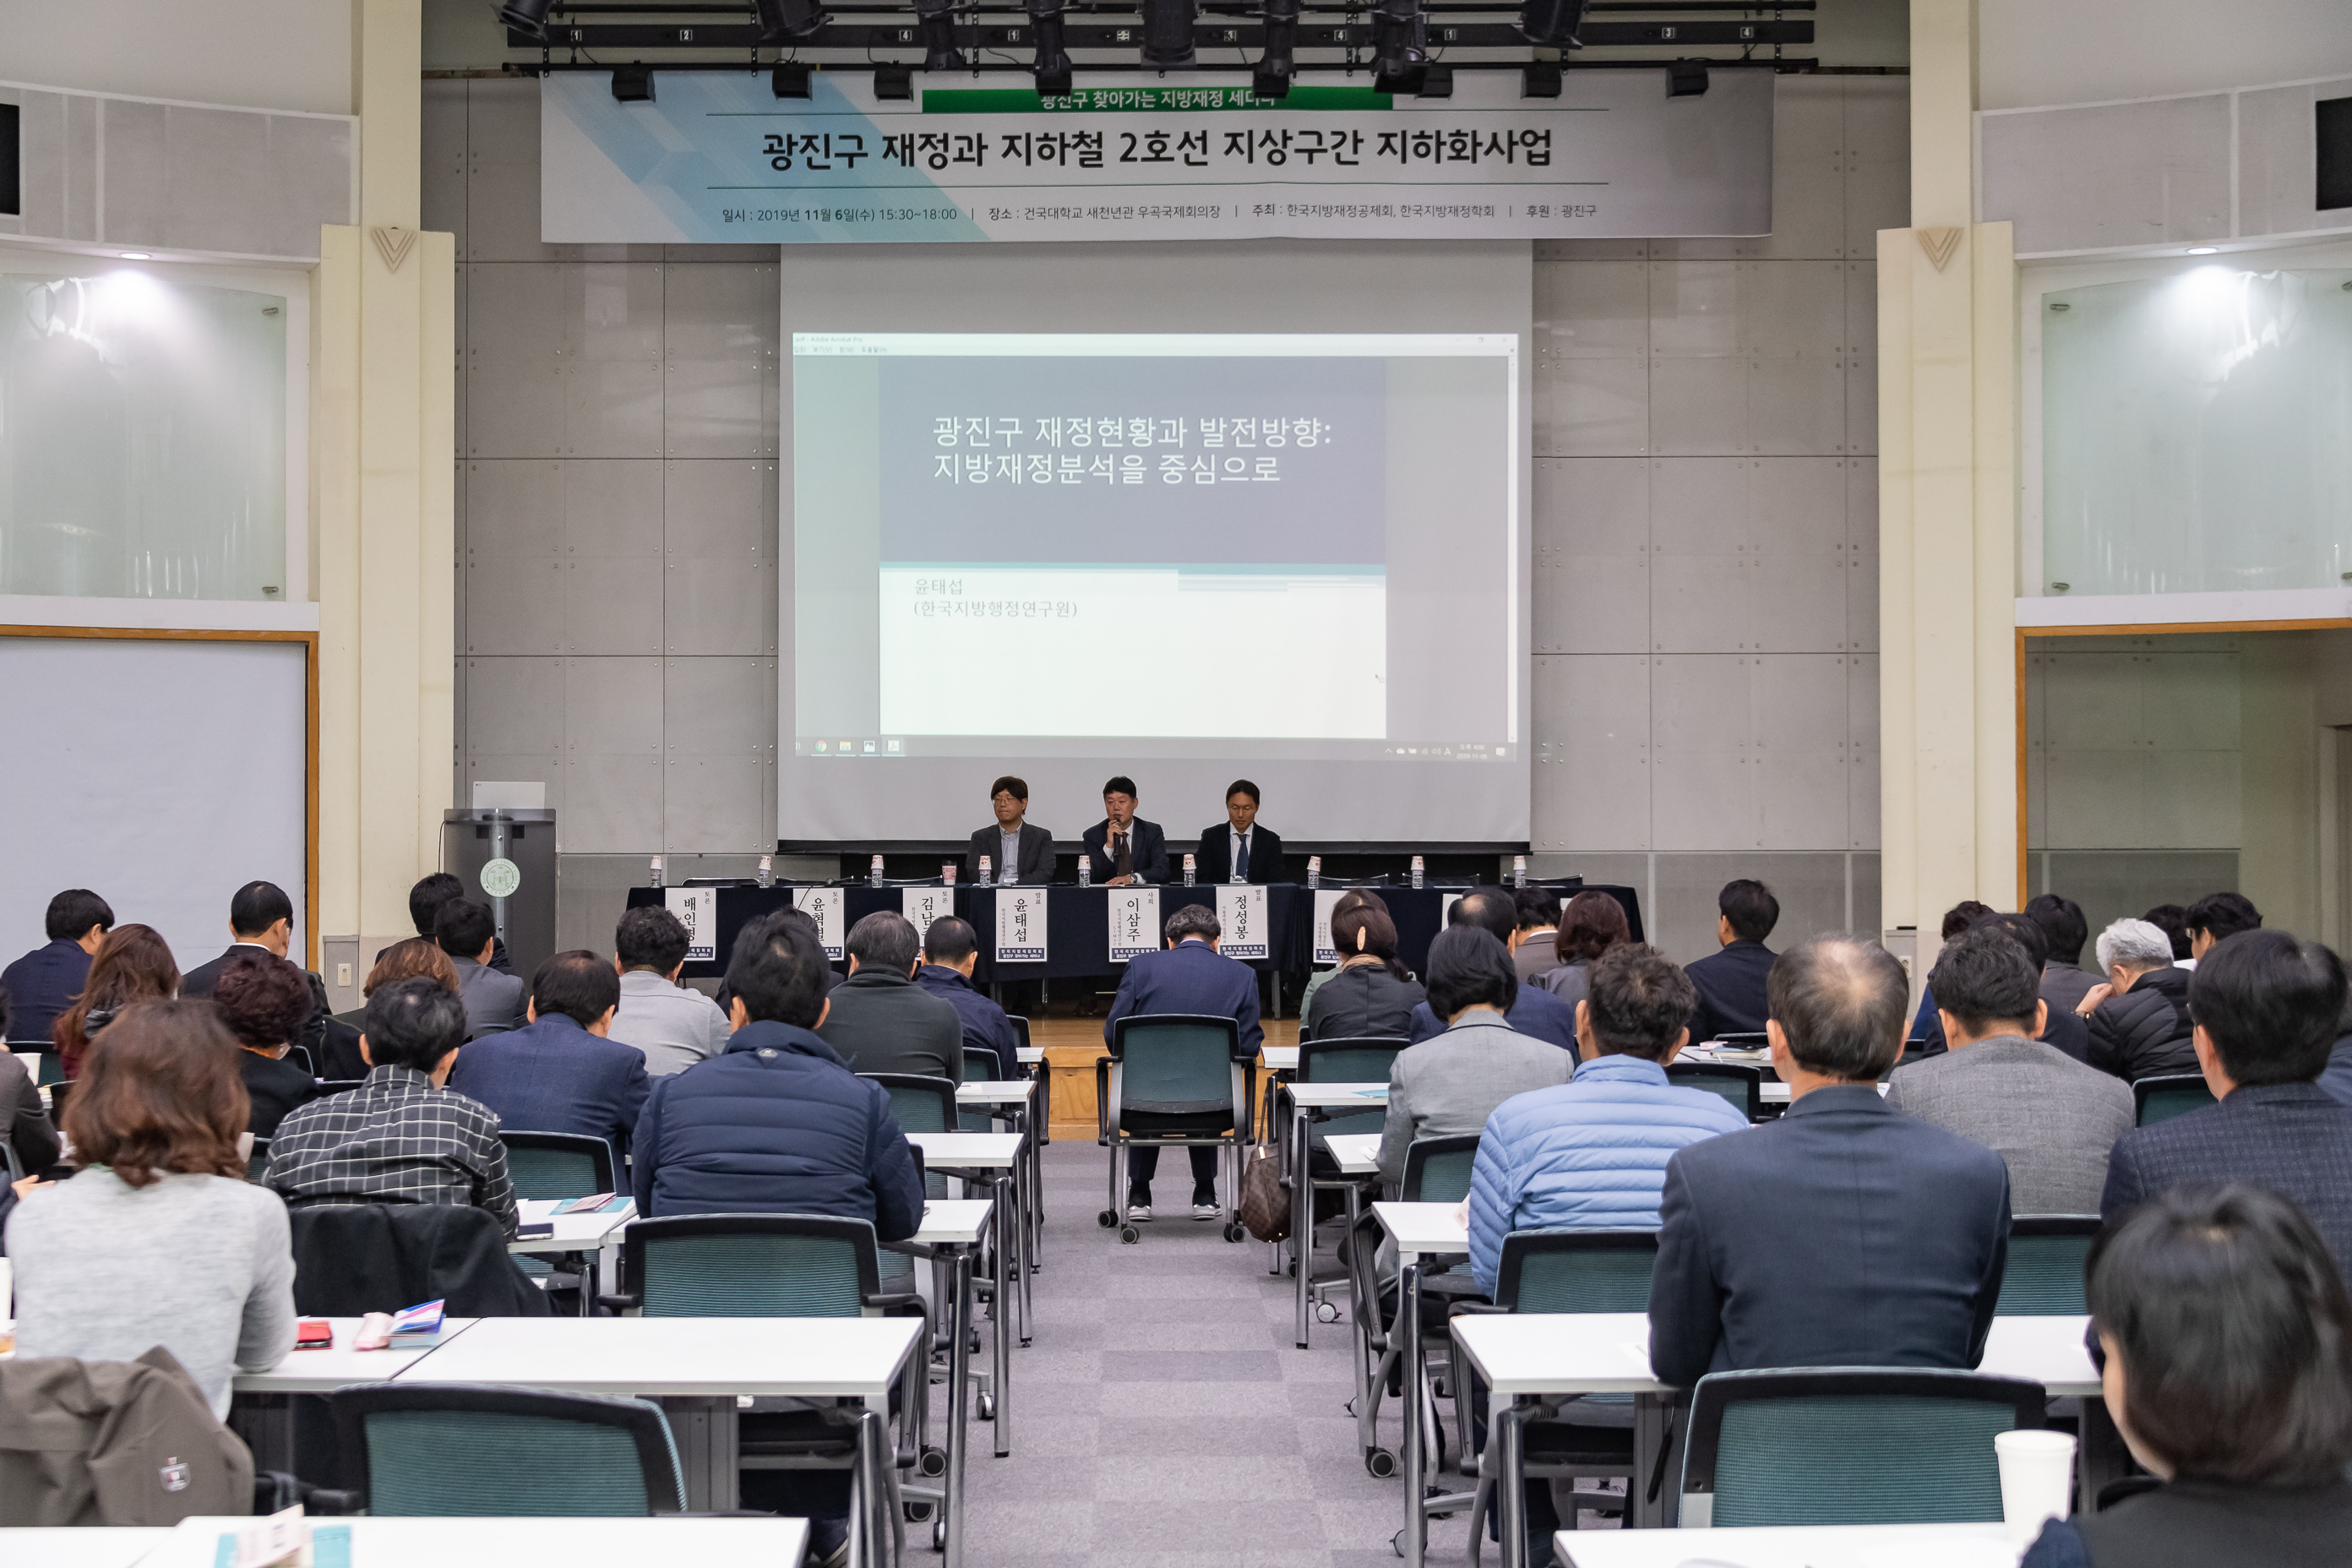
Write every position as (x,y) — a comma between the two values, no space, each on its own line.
(310,723)
(2183,628)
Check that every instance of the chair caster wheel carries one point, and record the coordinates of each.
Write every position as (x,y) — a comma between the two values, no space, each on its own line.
(939,1536)
(1396,1543)
(987,1408)
(1381,1463)
(933,1464)
(1105,1219)
(1326,1312)
(1234,1232)
(1128,1236)
(917,1513)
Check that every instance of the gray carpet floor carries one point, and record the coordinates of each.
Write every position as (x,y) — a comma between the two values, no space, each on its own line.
(1163,1418)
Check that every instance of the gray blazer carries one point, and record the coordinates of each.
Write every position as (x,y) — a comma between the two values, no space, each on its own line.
(2050,1116)
(1450,1083)
(493,1001)
(2063,985)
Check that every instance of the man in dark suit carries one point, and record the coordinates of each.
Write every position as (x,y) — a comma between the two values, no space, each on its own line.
(2267,1007)
(2064,978)
(1537,1011)
(43,983)
(951,952)
(1123,848)
(562,1072)
(425,901)
(1845,1233)
(464,931)
(1731,982)
(881,1020)
(1191,977)
(1017,852)
(261,921)
(1237,849)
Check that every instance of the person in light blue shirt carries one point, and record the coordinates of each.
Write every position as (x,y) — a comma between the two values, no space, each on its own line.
(1590,1154)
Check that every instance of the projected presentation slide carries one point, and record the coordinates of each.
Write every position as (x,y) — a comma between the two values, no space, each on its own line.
(1255,549)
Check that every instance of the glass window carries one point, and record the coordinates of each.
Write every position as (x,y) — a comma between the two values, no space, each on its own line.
(143,438)
(2195,433)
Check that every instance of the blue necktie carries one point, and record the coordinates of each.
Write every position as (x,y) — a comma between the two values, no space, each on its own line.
(1240,861)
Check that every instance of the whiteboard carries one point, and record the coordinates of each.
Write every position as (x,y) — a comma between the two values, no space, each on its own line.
(164,774)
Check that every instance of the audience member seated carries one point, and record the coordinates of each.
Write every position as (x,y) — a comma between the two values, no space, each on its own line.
(132,964)
(1731,982)
(425,901)
(2063,931)
(560,1072)
(417,955)
(43,983)
(2068,1032)
(464,931)
(1347,900)
(24,1121)
(1191,976)
(2267,1007)
(260,922)
(1448,1085)
(1923,1026)
(2052,1119)
(1589,926)
(951,952)
(1532,1010)
(881,1021)
(2226,1342)
(1534,948)
(1368,997)
(2336,1077)
(1845,1233)
(2139,1016)
(2215,918)
(401,1137)
(265,1002)
(674,1025)
(2172,919)
(1592,1153)
(160,1240)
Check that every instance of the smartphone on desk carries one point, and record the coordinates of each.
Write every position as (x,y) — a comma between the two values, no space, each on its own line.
(314,1334)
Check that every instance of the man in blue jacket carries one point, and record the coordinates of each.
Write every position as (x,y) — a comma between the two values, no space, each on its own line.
(45,982)
(1191,976)
(951,952)
(1591,1155)
(1537,1012)
(560,1072)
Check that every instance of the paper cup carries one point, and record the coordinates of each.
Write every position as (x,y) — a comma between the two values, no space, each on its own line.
(2037,1475)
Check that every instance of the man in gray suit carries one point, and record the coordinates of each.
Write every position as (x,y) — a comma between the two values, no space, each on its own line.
(464,931)
(2052,1119)
(1450,1083)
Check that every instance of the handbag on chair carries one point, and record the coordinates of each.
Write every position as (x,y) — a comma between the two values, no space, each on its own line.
(1264,1206)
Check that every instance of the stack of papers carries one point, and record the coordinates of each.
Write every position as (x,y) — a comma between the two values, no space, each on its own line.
(595,1203)
(404,1329)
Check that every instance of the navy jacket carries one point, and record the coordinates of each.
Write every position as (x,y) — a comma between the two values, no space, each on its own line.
(1730,991)
(2295,1139)
(2337,1078)
(1149,846)
(1845,1233)
(984,1023)
(1213,861)
(555,1077)
(42,984)
(776,1125)
(1537,1012)
(1190,977)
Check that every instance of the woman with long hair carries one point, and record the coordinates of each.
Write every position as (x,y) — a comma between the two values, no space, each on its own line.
(132,964)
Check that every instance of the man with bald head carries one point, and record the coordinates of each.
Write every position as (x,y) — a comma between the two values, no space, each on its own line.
(1845,1233)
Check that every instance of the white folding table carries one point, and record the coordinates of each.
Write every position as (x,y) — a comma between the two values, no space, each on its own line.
(1279,1058)
(437,1543)
(994,1157)
(957,1227)
(1801,1546)
(259,1409)
(597,1235)
(1305,1097)
(1018,1098)
(1355,1153)
(119,1547)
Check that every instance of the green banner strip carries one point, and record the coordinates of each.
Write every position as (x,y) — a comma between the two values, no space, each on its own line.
(1144,100)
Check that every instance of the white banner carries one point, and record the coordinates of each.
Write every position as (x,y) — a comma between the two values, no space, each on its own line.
(1134,922)
(1240,912)
(1326,900)
(716,156)
(1021,925)
(697,909)
(827,907)
(921,906)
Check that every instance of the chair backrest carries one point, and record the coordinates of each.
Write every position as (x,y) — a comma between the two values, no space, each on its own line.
(2047,1256)
(2173,1094)
(981,1066)
(1021,1027)
(1741,1085)
(752,1266)
(354,1259)
(467,1450)
(1176,1063)
(559,1164)
(1850,1446)
(1576,1270)
(1437,1170)
(1365,1059)
(258,1161)
(918,1103)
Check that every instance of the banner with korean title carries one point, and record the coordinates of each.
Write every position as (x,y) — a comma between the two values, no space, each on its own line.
(1326,900)
(1240,912)
(1134,922)
(1021,925)
(921,906)
(828,906)
(714,156)
(697,909)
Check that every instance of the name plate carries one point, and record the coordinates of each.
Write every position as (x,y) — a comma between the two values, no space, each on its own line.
(1021,925)
(829,908)
(697,909)
(1240,912)
(1134,922)
(921,906)
(1326,900)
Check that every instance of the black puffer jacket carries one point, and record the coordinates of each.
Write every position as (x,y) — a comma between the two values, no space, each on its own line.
(2145,1032)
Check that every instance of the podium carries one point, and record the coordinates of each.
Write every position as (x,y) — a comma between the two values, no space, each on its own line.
(516,847)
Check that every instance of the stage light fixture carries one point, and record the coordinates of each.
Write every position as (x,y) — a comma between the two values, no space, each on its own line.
(790,80)
(526,16)
(894,84)
(1271,76)
(781,20)
(1052,64)
(1437,81)
(1400,62)
(633,84)
(1685,78)
(1553,23)
(1540,78)
(937,20)
(1168,35)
